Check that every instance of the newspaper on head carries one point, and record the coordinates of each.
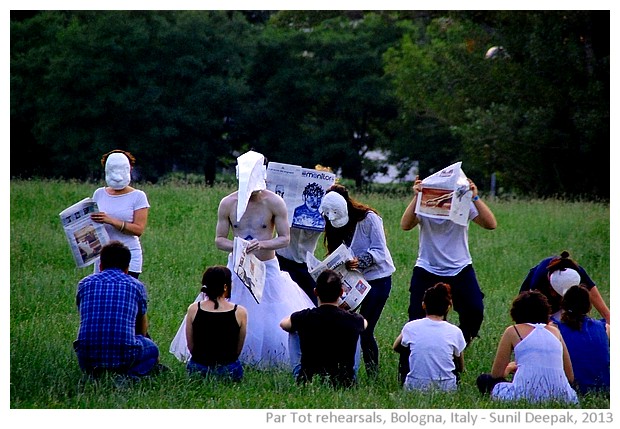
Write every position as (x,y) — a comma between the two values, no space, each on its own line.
(445,195)
(249,268)
(86,237)
(355,286)
(302,190)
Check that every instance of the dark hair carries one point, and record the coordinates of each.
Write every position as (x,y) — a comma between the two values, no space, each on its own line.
(530,307)
(213,281)
(562,262)
(313,190)
(115,255)
(357,211)
(132,159)
(438,299)
(576,305)
(329,286)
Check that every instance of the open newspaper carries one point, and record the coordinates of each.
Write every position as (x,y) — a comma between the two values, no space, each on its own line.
(446,195)
(355,286)
(302,190)
(249,268)
(85,236)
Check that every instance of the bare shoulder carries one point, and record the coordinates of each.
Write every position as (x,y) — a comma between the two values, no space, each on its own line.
(229,200)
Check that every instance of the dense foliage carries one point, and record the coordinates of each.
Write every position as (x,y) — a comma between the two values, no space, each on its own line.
(186,91)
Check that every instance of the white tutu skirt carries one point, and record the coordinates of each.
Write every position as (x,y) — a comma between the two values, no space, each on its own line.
(266,344)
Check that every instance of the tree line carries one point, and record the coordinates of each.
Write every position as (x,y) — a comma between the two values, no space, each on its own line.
(519,96)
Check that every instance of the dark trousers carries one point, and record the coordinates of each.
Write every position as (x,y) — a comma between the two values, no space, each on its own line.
(371,309)
(299,273)
(467,301)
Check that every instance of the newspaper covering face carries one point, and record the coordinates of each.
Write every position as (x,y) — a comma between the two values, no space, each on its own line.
(446,195)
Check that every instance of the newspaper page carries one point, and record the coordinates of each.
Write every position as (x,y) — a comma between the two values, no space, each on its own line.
(355,286)
(302,190)
(85,236)
(249,268)
(445,195)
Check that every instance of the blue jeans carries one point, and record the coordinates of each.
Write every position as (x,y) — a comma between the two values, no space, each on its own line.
(371,309)
(142,365)
(232,371)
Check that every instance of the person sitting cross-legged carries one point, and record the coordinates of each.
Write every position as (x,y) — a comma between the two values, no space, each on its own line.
(328,335)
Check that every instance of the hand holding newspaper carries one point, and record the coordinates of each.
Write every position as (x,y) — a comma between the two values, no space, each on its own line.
(355,286)
(446,195)
(249,268)
(85,236)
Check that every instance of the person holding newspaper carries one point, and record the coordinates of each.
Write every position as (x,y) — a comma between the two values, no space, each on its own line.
(259,216)
(360,228)
(443,256)
(123,209)
(292,258)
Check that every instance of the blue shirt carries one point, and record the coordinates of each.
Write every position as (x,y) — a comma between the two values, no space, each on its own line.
(109,303)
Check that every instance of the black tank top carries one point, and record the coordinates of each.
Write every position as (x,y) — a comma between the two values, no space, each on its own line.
(216,335)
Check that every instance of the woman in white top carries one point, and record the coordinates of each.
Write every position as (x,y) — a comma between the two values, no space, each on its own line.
(360,228)
(122,208)
(542,366)
(435,346)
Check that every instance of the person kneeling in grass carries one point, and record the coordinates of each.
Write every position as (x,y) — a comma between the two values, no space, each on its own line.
(328,335)
(435,345)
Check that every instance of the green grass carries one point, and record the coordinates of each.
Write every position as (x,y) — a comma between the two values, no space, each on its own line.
(179,244)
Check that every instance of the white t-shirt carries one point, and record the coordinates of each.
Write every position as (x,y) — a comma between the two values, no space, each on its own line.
(122,207)
(444,247)
(433,346)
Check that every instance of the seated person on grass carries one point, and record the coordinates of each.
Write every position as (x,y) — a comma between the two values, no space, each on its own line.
(113,325)
(328,335)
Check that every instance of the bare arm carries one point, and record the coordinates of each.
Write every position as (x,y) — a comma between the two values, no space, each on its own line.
(459,363)
(398,344)
(222,228)
(242,320)
(597,302)
(286,324)
(503,354)
(485,218)
(189,329)
(409,220)
(142,324)
(136,227)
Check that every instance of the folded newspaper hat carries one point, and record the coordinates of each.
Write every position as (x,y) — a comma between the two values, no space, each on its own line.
(334,208)
(251,172)
(117,171)
(562,280)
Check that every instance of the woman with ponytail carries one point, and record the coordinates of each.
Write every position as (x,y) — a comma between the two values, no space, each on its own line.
(587,341)
(215,328)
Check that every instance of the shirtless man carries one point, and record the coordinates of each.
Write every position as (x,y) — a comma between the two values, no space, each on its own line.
(265,213)
(259,216)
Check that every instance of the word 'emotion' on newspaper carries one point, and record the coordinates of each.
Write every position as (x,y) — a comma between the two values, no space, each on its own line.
(445,195)
(302,190)
(355,286)
(85,236)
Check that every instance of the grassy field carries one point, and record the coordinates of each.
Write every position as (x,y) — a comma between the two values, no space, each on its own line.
(178,245)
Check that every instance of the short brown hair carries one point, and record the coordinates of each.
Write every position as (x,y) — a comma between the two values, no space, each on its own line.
(132,159)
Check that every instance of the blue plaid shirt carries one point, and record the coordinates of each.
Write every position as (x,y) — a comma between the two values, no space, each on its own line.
(109,303)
